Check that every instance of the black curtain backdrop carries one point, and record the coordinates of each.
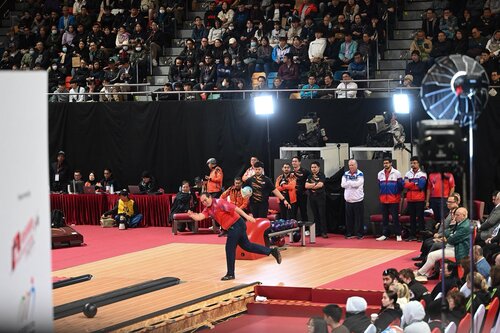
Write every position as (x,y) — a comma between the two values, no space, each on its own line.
(174,139)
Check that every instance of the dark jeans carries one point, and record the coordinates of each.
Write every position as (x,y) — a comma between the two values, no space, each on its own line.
(435,205)
(259,209)
(237,235)
(318,207)
(354,215)
(392,209)
(416,211)
(302,205)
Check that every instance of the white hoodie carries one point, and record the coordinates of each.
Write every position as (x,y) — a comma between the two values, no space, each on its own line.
(413,316)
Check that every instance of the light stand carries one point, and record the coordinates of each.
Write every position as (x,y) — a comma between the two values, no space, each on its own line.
(264,105)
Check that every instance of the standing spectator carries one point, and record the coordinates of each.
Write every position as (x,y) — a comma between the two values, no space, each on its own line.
(315,185)
(434,198)
(59,173)
(301,176)
(422,45)
(430,24)
(415,184)
(305,92)
(416,68)
(347,88)
(286,183)
(347,49)
(215,179)
(353,183)
(390,186)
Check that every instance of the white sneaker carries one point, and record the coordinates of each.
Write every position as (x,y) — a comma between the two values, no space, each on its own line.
(399,239)
(381,238)
(307,233)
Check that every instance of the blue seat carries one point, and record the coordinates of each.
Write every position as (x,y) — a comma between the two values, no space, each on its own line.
(337,76)
(270,79)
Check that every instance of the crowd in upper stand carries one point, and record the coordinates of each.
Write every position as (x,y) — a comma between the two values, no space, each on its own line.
(308,44)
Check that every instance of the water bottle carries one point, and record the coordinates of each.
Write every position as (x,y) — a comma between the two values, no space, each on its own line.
(112,189)
(69,189)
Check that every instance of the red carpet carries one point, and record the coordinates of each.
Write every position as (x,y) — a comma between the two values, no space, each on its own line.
(263,324)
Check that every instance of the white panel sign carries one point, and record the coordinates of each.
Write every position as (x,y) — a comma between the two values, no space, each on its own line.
(25,239)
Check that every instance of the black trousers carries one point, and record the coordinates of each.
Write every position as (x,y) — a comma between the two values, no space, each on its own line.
(435,205)
(354,216)
(237,235)
(286,213)
(301,205)
(318,207)
(259,209)
(416,211)
(392,209)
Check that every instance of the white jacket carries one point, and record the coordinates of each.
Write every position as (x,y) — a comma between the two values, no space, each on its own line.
(317,48)
(344,91)
(353,185)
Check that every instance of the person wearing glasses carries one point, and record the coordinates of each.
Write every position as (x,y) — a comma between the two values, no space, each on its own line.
(457,243)
(231,218)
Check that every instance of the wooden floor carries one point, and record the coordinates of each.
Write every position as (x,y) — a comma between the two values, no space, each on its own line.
(200,267)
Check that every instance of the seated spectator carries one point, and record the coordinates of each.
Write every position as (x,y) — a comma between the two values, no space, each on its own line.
(190,72)
(317,325)
(317,47)
(389,312)
(448,23)
(417,290)
(125,211)
(332,314)
(260,30)
(460,43)
(108,183)
(357,68)
(358,27)
(351,9)
(236,50)
(347,49)
(234,196)
(148,184)
(91,181)
(188,86)
(456,306)
(422,45)
(165,97)
(247,34)
(289,72)
(264,56)
(451,279)
(347,88)
(467,22)
(216,32)
(481,295)
(330,93)
(488,227)
(121,37)
(60,94)
(493,44)
(408,81)
(403,293)
(210,15)
(326,25)
(413,318)
(307,8)
(199,30)
(184,200)
(331,54)
(138,35)
(356,320)
(334,8)
(65,20)
(276,34)
(430,24)
(76,184)
(489,64)
(441,47)
(477,43)
(226,15)
(261,84)
(278,85)
(482,265)
(487,22)
(279,52)
(495,281)
(307,33)
(299,54)
(295,30)
(76,93)
(416,68)
(218,51)
(305,93)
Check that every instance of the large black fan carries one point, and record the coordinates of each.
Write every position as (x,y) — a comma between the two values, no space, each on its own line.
(455,88)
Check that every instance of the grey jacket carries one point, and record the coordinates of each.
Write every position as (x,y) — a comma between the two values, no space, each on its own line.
(490,224)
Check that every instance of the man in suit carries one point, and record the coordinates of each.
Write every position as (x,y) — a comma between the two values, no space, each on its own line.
(486,229)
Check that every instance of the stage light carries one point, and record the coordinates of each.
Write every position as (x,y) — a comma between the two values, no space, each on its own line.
(401,103)
(263,105)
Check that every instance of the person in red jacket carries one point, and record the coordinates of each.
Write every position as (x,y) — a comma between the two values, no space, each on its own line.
(214,180)
(415,181)
(285,183)
(230,218)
